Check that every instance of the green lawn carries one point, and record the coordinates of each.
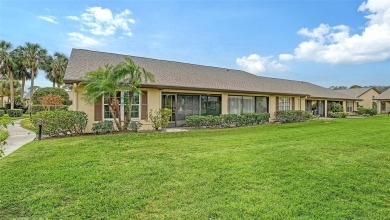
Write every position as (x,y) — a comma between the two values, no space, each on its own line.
(6,119)
(334,169)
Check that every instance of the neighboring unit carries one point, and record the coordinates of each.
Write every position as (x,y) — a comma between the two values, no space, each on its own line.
(366,94)
(384,102)
(189,89)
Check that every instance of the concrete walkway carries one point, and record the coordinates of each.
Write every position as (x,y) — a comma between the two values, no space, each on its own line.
(17,137)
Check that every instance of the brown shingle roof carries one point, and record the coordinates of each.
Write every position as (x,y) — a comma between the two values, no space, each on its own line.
(170,74)
(356,92)
(384,95)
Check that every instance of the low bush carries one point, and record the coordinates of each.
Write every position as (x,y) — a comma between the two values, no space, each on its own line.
(228,120)
(42,92)
(338,114)
(15,112)
(291,116)
(160,118)
(336,107)
(103,127)
(38,108)
(135,125)
(366,111)
(2,113)
(57,123)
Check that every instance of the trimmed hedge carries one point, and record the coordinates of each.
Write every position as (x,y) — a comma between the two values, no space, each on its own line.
(2,113)
(366,111)
(228,120)
(103,127)
(41,92)
(39,108)
(338,114)
(61,123)
(291,116)
(15,112)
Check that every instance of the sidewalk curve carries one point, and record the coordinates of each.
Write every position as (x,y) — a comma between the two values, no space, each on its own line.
(17,137)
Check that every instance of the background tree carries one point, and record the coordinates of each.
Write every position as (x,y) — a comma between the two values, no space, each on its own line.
(355,87)
(34,56)
(55,68)
(7,66)
(130,76)
(22,73)
(338,87)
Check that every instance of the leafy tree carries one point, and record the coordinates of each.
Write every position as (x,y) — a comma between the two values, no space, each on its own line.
(7,66)
(130,76)
(21,72)
(355,87)
(34,56)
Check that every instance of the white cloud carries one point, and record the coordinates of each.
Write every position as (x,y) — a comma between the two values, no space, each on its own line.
(48,18)
(80,40)
(256,64)
(335,45)
(74,18)
(102,22)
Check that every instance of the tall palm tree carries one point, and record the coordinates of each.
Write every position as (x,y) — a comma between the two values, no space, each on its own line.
(55,68)
(7,66)
(35,56)
(130,76)
(22,72)
(100,83)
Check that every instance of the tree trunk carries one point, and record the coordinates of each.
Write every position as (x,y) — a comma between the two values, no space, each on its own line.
(33,70)
(129,110)
(54,83)
(11,87)
(112,111)
(22,89)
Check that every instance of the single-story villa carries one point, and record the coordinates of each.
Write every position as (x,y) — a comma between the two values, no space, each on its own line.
(366,94)
(384,102)
(189,89)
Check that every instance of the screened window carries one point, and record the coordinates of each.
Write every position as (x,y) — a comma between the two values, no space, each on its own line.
(187,105)
(210,105)
(247,104)
(122,98)
(383,106)
(284,103)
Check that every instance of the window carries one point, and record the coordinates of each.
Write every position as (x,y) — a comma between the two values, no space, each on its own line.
(247,104)
(123,100)
(187,105)
(349,106)
(210,105)
(284,103)
(383,106)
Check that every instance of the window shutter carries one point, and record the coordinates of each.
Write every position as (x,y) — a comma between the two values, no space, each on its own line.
(277,103)
(144,105)
(292,103)
(98,109)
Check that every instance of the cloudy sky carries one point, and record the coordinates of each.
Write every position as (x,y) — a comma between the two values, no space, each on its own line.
(333,42)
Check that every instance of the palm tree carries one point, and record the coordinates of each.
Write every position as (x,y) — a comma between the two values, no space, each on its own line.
(35,56)
(130,76)
(55,68)
(100,83)
(7,66)
(21,72)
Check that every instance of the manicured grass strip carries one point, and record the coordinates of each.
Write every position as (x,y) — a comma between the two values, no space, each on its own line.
(3,135)
(26,124)
(335,169)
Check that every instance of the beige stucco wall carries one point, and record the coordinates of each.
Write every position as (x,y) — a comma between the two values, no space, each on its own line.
(367,98)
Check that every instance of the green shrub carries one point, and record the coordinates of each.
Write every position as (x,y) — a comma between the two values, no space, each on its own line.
(135,125)
(38,108)
(366,111)
(338,114)
(227,120)
(41,92)
(15,112)
(103,127)
(2,112)
(160,118)
(291,116)
(336,107)
(57,123)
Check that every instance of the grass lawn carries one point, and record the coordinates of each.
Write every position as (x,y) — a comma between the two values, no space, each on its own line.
(6,119)
(333,169)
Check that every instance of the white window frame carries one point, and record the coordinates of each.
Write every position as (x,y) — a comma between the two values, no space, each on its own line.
(285,103)
(122,106)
